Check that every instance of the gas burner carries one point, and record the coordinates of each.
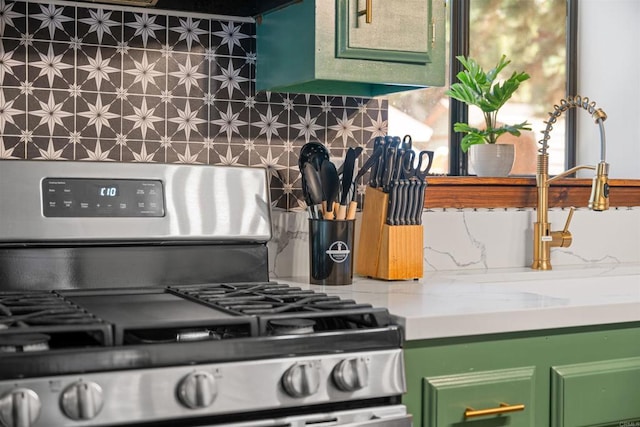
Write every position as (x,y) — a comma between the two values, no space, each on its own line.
(292,326)
(23,343)
(154,336)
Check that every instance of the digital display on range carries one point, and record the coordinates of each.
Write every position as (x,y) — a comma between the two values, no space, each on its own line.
(79,197)
(108,191)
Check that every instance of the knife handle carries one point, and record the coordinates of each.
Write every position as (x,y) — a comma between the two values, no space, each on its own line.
(373,174)
(405,201)
(423,187)
(391,208)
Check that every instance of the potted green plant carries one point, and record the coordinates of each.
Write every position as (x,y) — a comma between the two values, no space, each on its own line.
(482,89)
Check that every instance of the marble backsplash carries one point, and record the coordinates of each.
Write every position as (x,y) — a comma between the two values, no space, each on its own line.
(482,239)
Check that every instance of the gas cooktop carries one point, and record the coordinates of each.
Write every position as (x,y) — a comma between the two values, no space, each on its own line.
(150,326)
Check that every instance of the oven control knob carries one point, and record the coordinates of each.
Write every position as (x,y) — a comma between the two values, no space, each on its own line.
(82,400)
(351,374)
(301,380)
(19,408)
(197,390)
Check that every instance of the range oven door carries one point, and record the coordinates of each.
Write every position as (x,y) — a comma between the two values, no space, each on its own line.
(383,416)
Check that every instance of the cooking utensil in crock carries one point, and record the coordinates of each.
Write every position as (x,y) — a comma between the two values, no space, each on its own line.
(358,151)
(313,152)
(371,161)
(314,188)
(330,187)
(347,179)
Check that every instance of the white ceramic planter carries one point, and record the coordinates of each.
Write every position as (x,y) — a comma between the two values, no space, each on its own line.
(492,159)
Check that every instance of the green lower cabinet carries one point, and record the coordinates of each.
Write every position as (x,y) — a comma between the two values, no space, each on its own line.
(573,377)
(502,397)
(598,393)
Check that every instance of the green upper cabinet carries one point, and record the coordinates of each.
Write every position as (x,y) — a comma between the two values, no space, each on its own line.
(373,40)
(328,47)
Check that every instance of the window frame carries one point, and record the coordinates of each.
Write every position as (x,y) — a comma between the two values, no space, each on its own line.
(459,111)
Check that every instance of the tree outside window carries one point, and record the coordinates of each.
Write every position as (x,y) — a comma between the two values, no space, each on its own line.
(532,33)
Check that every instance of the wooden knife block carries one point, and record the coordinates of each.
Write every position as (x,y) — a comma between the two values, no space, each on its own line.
(390,252)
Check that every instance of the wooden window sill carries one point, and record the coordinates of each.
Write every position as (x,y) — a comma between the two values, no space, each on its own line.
(517,192)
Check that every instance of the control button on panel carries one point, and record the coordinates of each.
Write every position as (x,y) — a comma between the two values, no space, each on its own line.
(301,379)
(19,407)
(197,390)
(351,374)
(82,400)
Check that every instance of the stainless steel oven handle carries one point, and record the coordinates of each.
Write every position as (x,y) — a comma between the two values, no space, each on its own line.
(401,421)
(394,416)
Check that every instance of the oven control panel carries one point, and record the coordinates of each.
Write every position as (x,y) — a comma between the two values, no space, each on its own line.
(178,393)
(80,197)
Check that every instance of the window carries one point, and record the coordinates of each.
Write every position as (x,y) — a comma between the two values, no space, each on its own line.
(533,34)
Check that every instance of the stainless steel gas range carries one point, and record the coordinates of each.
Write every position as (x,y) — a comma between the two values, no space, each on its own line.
(138,294)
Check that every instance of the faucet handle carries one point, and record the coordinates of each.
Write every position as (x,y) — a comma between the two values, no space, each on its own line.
(563,239)
(566,224)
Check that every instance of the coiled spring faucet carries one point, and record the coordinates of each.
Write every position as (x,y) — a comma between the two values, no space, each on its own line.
(543,238)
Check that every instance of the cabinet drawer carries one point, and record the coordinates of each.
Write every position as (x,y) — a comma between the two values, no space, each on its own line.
(596,393)
(449,399)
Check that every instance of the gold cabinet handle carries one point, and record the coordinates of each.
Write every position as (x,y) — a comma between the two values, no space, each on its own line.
(502,409)
(433,33)
(368,12)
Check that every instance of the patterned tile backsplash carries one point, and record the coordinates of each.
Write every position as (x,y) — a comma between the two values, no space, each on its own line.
(108,83)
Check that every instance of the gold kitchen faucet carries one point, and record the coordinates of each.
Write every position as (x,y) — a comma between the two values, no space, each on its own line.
(543,238)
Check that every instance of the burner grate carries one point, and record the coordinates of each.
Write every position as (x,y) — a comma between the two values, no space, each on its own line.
(266,298)
(44,312)
(269,301)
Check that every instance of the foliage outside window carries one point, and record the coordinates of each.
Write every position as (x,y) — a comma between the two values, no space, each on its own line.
(532,33)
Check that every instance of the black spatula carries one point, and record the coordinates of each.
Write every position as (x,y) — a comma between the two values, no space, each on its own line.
(347,179)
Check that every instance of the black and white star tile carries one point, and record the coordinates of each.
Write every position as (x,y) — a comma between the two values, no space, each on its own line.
(99,26)
(133,85)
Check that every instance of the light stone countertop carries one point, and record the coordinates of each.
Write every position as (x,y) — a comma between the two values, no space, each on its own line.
(475,302)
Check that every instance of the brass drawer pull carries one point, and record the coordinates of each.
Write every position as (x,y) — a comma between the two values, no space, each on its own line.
(502,409)
(433,32)
(368,12)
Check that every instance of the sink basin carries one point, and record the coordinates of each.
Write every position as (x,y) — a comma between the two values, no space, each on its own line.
(620,272)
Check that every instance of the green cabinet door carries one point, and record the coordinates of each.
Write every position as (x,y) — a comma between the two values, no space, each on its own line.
(326,47)
(598,393)
(397,31)
(503,397)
